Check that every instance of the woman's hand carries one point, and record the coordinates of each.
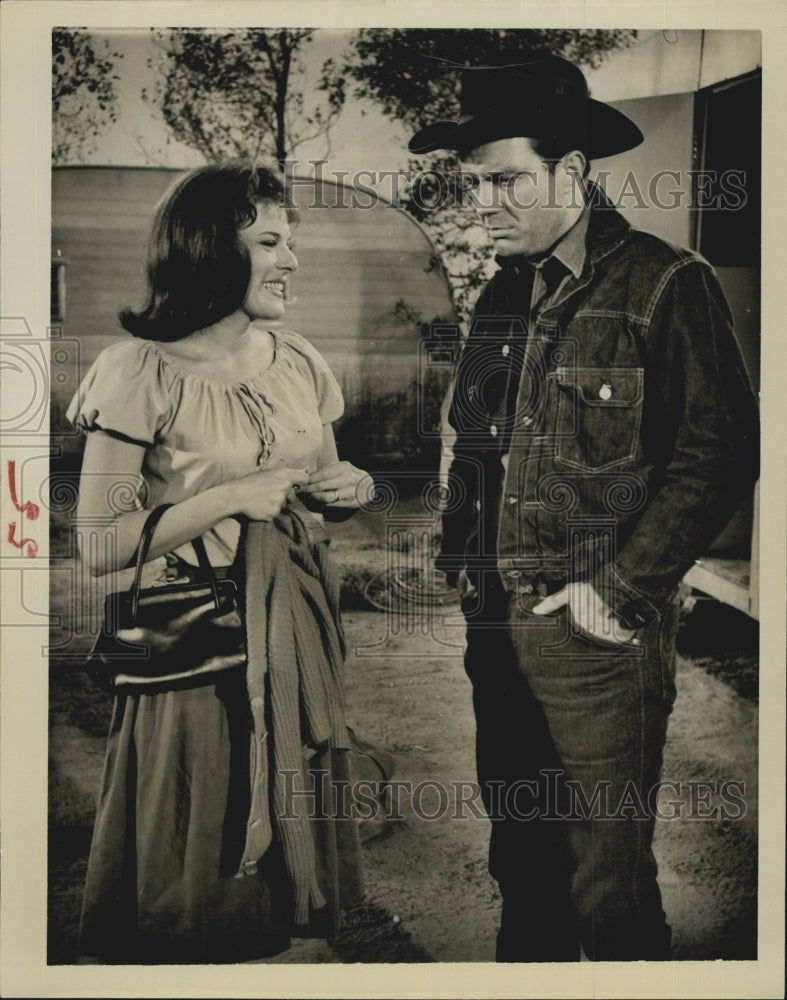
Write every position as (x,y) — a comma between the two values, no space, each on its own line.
(340,484)
(261,495)
(110,520)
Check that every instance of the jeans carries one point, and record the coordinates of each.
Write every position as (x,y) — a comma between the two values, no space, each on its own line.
(570,735)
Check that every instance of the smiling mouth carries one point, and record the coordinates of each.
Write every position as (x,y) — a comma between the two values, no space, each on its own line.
(275,288)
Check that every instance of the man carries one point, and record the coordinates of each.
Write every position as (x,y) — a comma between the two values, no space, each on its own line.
(606,432)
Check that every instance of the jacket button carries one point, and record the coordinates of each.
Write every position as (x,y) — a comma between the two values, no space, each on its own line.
(527,421)
(505,350)
(605,392)
(511,498)
(478,505)
(493,431)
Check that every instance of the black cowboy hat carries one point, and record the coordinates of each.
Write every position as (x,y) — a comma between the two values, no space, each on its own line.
(540,96)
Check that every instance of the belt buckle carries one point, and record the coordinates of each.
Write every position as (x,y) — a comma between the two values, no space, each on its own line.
(535,585)
(524,585)
(538,586)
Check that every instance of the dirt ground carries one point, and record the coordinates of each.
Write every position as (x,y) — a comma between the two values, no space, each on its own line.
(429,897)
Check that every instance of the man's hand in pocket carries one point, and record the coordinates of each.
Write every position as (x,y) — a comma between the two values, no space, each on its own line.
(590,612)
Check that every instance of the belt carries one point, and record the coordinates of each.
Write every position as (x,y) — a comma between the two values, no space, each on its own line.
(539,584)
(178,569)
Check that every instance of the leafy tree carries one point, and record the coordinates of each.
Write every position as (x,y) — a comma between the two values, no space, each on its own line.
(412,73)
(239,93)
(413,76)
(84,98)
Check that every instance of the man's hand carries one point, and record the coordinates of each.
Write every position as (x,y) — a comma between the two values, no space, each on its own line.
(590,613)
(466,588)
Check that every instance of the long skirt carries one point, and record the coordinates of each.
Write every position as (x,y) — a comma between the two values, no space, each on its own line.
(162,883)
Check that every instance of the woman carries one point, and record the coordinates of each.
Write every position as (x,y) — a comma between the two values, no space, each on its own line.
(209,409)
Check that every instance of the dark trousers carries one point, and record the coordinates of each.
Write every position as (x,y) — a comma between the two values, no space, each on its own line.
(570,735)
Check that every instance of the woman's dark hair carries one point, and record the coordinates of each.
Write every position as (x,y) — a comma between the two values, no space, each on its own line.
(198,270)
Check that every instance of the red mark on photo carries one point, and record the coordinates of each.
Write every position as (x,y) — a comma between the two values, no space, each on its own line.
(28,509)
(32,545)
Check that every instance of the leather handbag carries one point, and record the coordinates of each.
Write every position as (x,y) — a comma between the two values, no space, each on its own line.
(164,637)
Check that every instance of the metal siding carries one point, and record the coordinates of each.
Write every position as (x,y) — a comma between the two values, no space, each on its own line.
(355,265)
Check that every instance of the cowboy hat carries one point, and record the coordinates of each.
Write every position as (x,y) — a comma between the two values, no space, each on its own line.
(539,96)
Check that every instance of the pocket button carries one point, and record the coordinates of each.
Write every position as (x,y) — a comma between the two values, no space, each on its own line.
(605,392)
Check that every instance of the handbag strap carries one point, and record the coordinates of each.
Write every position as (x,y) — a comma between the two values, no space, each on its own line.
(143,547)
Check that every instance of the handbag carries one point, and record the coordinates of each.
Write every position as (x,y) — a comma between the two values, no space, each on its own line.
(166,636)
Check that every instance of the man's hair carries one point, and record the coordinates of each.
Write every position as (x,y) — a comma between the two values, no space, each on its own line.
(198,270)
(553,148)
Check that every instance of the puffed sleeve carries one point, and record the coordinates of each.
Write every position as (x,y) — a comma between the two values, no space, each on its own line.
(329,395)
(123,394)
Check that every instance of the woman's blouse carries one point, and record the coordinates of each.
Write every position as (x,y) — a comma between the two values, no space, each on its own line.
(199,432)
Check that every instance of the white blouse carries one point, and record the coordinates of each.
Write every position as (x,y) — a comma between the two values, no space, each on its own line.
(199,432)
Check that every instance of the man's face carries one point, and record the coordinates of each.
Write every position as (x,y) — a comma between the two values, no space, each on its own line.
(524,207)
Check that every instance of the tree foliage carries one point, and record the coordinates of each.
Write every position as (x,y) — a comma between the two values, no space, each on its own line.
(413,77)
(413,73)
(84,99)
(240,93)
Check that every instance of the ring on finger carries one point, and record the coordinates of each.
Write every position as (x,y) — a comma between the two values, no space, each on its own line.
(335,496)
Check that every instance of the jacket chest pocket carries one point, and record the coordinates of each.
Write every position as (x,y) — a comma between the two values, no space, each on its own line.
(599,412)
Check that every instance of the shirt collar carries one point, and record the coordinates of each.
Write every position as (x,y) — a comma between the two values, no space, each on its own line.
(571,250)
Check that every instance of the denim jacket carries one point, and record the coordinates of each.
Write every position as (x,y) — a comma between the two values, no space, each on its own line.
(627,416)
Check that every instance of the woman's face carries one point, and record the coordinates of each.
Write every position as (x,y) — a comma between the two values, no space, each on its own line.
(269,243)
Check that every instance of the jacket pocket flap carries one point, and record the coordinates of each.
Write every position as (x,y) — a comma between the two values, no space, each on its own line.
(603,386)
